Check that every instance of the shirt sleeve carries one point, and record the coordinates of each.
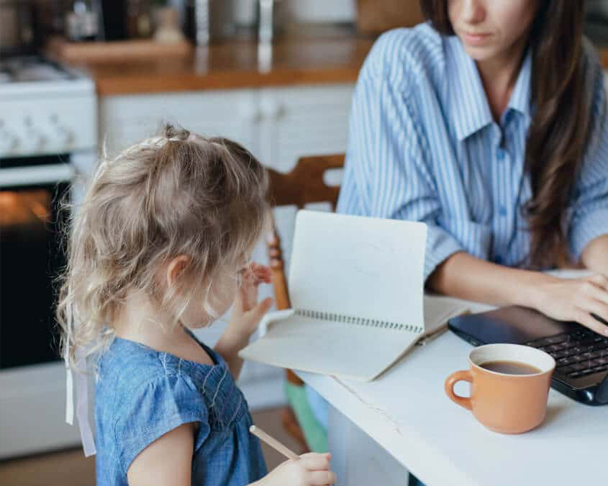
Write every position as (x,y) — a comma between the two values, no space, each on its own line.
(154,409)
(386,172)
(589,206)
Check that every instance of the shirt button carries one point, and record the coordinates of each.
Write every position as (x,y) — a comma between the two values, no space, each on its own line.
(502,211)
(501,154)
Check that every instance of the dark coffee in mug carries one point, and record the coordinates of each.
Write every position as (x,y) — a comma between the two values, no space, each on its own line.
(510,367)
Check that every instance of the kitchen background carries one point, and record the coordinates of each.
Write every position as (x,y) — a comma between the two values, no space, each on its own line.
(81,76)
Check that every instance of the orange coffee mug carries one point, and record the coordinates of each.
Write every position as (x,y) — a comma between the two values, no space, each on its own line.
(509,386)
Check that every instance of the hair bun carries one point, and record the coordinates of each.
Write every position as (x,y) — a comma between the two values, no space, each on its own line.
(175,134)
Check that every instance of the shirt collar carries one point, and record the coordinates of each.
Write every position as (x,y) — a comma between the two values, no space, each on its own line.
(469,109)
(521,96)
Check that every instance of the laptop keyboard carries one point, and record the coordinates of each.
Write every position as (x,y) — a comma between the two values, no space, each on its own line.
(577,354)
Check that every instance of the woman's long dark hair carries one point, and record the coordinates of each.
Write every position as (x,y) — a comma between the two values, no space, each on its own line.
(560,127)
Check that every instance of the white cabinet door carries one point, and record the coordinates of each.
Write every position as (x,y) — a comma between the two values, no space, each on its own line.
(303,121)
(128,119)
(278,125)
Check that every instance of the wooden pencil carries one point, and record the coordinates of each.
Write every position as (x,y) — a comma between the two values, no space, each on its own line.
(272,442)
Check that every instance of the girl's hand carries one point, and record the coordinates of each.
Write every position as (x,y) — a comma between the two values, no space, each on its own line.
(575,300)
(246,311)
(309,470)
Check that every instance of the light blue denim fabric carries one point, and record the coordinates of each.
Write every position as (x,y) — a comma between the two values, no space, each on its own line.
(142,394)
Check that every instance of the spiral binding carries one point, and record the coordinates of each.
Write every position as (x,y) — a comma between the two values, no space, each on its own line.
(358,321)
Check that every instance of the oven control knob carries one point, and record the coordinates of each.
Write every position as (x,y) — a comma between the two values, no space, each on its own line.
(8,141)
(35,140)
(64,136)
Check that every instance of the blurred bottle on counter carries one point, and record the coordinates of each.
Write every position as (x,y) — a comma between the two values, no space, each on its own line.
(270,16)
(82,21)
(139,19)
(114,19)
(167,26)
(209,21)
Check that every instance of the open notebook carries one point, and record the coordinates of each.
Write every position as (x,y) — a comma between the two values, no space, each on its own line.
(356,287)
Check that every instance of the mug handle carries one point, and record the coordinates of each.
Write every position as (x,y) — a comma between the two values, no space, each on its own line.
(449,388)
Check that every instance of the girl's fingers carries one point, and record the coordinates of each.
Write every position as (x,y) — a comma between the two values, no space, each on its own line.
(322,478)
(263,273)
(261,309)
(316,462)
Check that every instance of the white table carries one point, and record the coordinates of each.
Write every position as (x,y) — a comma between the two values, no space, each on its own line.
(415,426)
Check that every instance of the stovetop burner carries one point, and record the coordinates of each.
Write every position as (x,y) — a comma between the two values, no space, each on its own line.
(27,69)
(45,108)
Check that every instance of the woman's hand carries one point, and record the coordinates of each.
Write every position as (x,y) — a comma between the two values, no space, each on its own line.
(575,300)
(310,469)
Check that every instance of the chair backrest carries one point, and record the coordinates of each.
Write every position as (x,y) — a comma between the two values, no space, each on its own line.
(304,185)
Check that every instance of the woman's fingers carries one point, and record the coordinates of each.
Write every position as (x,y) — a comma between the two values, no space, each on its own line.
(596,307)
(598,288)
(586,319)
(600,280)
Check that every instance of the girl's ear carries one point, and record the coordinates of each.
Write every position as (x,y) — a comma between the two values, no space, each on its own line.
(175,268)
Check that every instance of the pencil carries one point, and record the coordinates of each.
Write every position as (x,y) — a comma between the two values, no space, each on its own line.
(272,442)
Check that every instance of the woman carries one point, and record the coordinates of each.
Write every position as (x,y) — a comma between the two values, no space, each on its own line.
(491,126)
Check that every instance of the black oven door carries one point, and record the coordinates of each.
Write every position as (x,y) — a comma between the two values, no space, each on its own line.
(31,258)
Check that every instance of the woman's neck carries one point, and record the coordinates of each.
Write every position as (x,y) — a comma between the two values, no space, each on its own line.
(499,76)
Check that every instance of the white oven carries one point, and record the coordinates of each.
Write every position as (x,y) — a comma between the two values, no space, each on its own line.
(48,137)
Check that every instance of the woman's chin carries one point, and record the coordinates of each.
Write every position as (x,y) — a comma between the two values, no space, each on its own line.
(480,53)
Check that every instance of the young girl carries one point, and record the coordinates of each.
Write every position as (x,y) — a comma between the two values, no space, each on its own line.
(161,246)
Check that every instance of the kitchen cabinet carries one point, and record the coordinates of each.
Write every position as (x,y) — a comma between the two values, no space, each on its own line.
(278,125)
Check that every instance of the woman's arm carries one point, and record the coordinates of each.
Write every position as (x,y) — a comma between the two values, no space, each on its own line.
(466,277)
(595,255)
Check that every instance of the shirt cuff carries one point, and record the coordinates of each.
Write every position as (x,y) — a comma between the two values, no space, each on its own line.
(586,228)
(439,246)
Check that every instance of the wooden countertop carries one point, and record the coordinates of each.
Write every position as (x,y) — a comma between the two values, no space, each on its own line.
(235,65)
(312,60)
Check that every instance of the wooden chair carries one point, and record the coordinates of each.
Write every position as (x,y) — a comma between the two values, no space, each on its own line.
(302,186)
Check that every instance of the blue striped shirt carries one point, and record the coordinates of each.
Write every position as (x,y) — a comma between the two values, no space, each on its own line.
(423,146)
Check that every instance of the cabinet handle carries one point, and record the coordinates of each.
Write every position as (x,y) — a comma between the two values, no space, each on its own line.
(272,109)
(250,113)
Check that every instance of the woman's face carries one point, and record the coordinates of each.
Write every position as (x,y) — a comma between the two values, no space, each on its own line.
(490,29)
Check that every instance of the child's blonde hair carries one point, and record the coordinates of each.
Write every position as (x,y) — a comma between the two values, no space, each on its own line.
(176,194)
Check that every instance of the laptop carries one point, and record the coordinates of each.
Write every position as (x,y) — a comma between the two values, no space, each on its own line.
(581,355)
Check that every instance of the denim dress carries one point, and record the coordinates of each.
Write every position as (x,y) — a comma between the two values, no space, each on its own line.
(141,394)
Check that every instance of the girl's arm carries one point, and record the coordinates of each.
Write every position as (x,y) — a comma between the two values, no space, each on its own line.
(168,462)
(228,347)
(466,277)
(595,255)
